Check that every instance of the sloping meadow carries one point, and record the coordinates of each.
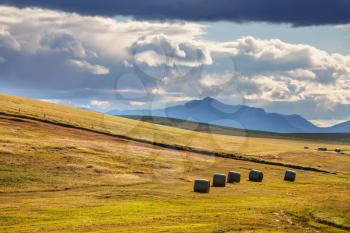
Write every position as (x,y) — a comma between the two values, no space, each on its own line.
(59,179)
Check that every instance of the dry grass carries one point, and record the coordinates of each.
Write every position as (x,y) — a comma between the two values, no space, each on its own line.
(264,148)
(58,179)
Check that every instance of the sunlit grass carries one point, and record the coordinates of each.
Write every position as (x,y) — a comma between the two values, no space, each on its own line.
(265,148)
(56,179)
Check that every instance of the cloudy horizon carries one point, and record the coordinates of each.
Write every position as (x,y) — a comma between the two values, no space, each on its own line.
(103,60)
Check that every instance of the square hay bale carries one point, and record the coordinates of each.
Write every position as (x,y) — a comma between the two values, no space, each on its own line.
(201,186)
(219,180)
(290,176)
(322,149)
(256,176)
(233,177)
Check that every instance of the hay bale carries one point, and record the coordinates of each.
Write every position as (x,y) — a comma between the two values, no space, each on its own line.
(322,149)
(256,176)
(290,176)
(306,147)
(233,177)
(338,150)
(219,180)
(201,186)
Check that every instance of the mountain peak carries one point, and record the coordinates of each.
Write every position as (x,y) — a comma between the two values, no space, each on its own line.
(208,99)
(211,111)
(205,101)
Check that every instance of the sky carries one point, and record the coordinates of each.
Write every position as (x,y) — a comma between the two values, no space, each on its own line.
(290,57)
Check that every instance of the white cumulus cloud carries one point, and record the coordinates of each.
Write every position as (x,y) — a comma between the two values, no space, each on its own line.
(7,40)
(87,67)
(100,104)
(168,61)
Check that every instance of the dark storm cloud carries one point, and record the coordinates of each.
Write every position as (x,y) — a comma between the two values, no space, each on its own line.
(296,12)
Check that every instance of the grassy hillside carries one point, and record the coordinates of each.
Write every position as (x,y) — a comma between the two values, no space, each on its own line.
(271,149)
(216,129)
(59,179)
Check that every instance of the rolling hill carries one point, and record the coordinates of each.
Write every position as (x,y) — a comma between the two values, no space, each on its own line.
(217,129)
(211,111)
(247,146)
(69,170)
(342,127)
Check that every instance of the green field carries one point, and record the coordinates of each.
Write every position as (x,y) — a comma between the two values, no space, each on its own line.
(70,170)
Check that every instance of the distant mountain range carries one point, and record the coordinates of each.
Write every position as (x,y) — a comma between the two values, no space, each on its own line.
(212,111)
